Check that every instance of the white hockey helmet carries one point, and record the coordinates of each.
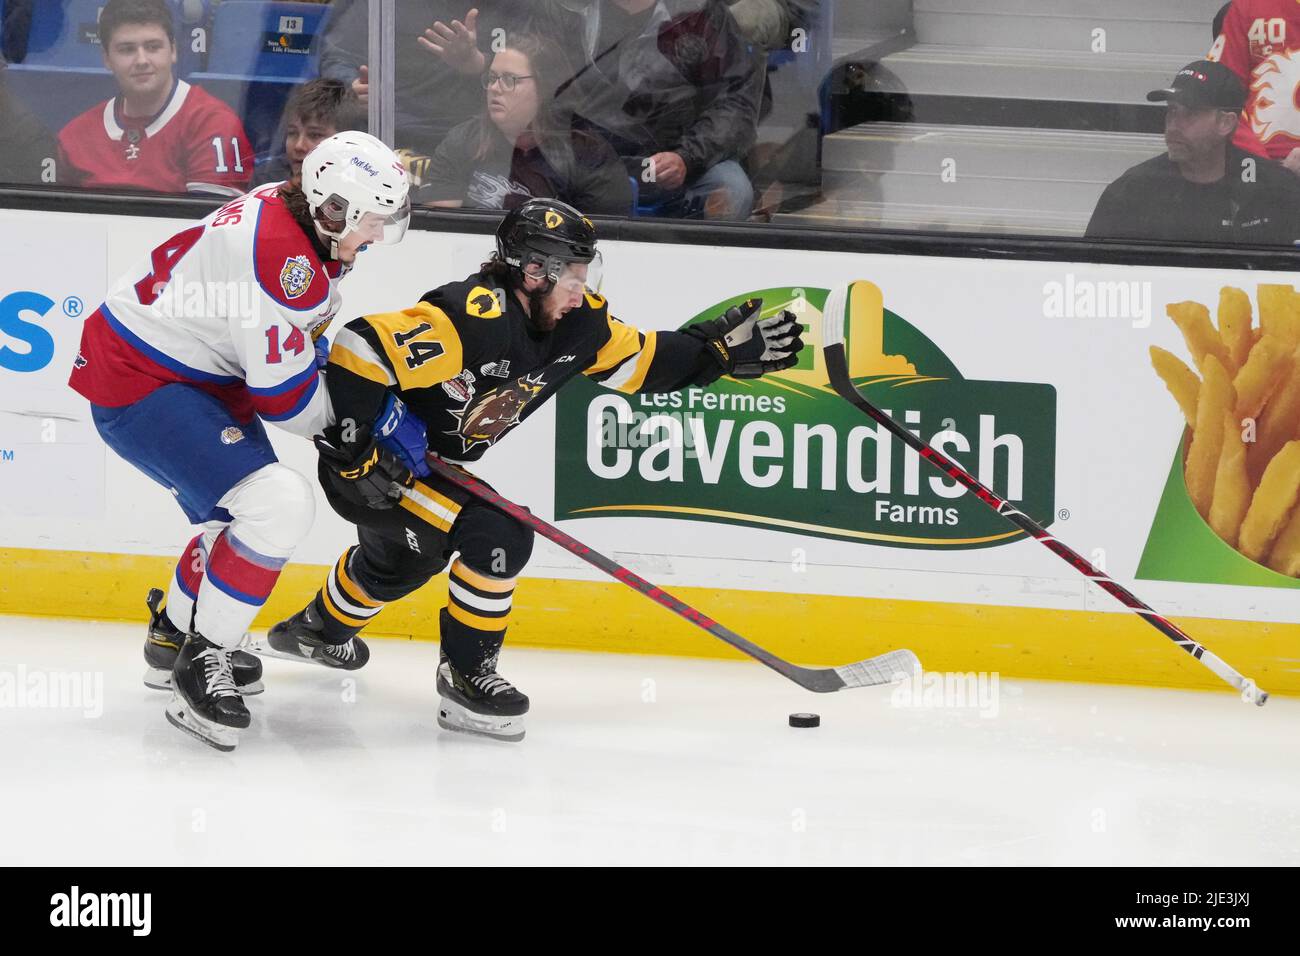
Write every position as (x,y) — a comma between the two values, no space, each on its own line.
(351,174)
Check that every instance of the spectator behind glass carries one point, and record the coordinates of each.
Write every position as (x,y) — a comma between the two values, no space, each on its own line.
(1203,189)
(158,133)
(1260,43)
(25,143)
(520,148)
(439,56)
(673,86)
(316,110)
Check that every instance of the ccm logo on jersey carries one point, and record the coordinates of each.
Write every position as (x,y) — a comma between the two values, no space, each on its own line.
(296,276)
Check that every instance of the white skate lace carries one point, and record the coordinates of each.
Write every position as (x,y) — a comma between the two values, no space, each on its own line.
(217,670)
(345,652)
(492,684)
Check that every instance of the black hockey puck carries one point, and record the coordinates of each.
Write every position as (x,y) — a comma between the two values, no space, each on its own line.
(805,720)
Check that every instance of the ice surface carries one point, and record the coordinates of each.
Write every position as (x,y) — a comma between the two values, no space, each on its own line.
(630,760)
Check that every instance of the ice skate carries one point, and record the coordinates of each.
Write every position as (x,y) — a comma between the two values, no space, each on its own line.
(164,642)
(487,705)
(205,703)
(301,638)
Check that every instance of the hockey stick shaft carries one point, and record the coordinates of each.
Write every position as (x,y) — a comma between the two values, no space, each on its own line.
(837,368)
(819,680)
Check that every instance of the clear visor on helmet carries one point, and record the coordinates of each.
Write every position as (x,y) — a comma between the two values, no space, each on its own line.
(567,276)
(384,229)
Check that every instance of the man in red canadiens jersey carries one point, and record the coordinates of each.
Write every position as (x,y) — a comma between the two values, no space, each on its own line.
(1260,42)
(159,133)
(192,350)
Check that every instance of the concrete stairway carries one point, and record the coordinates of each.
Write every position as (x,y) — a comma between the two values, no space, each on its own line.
(978,66)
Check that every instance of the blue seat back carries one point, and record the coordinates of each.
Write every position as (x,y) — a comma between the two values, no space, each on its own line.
(253,38)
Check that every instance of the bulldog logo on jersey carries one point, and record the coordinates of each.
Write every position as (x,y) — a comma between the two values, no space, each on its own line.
(483,303)
(496,412)
(296,276)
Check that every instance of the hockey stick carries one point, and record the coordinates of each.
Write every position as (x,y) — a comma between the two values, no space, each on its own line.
(833,322)
(875,670)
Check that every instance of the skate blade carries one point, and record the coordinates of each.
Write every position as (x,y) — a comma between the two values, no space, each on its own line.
(457,719)
(180,716)
(263,649)
(156,679)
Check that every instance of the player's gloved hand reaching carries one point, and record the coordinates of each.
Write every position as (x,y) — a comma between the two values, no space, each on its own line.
(747,346)
(370,470)
(403,434)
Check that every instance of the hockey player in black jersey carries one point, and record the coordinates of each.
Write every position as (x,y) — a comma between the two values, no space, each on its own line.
(452,375)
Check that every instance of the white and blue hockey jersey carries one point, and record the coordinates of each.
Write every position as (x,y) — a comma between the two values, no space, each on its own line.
(231,305)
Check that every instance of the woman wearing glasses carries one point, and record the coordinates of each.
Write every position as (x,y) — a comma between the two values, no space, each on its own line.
(521,146)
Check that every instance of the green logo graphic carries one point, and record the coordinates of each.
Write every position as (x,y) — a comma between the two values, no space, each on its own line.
(785,452)
(1182,547)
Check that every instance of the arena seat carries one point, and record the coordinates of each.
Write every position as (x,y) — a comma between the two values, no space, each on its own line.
(264,40)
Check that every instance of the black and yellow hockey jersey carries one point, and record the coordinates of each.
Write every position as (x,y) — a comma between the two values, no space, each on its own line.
(466,362)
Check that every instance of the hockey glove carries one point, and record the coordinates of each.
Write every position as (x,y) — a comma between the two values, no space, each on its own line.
(402,433)
(746,346)
(370,471)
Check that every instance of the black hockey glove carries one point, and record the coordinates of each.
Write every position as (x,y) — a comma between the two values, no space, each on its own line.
(747,346)
(365,468)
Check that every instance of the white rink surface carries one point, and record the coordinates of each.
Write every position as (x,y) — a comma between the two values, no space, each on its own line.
(706,773)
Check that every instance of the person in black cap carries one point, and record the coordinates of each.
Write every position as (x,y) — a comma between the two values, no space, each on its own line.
(1203,189)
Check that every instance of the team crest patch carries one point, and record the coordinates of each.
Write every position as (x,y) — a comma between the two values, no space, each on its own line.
(553,220)
(296,276)
(231,435)
(483,303)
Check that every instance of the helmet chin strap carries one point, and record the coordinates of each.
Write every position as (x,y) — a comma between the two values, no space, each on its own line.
(329,237)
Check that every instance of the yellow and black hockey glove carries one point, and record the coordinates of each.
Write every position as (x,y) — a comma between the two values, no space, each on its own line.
(362,467)
(746,346)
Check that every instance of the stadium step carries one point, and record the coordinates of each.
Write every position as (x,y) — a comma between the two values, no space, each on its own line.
(1005,73)
(986,152)
(892,175)
(1178,28)
(835,213)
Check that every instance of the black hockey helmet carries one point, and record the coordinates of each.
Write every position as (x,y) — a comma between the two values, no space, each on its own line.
(543,235)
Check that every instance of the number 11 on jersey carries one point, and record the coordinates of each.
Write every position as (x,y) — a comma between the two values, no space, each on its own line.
(218,147)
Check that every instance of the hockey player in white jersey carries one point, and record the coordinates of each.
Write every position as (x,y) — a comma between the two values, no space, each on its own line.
(186,358)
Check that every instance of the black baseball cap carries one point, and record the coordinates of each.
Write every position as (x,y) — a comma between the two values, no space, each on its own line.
(1203,84)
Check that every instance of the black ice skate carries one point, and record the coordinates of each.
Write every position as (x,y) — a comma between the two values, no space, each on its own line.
(205,703)
(164,642)
(302,638)
(487,704)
